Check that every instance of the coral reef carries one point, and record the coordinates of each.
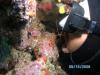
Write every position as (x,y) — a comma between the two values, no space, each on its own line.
(36,53)
(43,47)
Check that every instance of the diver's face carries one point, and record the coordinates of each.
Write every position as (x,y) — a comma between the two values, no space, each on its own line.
(75,42)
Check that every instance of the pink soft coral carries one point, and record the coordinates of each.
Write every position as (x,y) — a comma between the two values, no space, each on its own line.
(37,67)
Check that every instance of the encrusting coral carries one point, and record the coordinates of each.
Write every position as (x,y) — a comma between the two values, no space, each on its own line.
(37,53)
(43,46)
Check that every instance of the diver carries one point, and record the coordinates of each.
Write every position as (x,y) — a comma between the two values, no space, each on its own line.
(82,46)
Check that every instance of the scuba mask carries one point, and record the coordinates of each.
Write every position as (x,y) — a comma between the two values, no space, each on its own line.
(78,19)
